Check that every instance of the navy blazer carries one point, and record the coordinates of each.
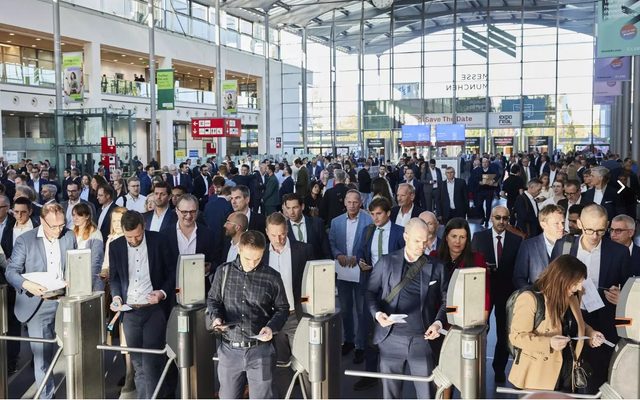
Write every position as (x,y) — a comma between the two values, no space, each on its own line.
(415,213)
(216,212)
(286,188)
(531,260)
(460,197)
(145,184)
(105,229)
(609,198)
(614,270)
(396,241)
(315,235)
(635,261)
(170,219)
(162,267)
(526,218)
(183,180)
(388,273)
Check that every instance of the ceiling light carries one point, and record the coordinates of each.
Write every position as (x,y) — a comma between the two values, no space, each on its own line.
(33,45)
(122,55)
(62,44)
(131,63)
(140,58)
(12,34)
(38,39)
(198,69)
(41,113)
(8,41)
(200,75)
(11,115)
(115,60)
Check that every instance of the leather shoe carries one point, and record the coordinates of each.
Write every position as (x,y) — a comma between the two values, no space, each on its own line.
(499,377)
(347,347)
(358,358)
(364,384)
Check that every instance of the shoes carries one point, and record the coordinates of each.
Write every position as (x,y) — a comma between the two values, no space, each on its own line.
(347,347)
(500,377)
(358,357)
(365,384)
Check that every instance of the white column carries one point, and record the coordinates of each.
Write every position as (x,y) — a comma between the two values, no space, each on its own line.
(93,72)
(222,149)
(263,146)
(165,128)
(1,133)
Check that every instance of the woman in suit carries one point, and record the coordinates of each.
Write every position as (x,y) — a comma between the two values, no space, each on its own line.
(88,236)
(546,352)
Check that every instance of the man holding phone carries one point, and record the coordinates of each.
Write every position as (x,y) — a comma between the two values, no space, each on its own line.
(248,304)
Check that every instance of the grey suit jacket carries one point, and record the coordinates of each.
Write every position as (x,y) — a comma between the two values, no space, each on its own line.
(531,260)
(29,256)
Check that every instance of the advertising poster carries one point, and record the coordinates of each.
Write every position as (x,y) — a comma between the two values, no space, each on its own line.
(617,28)
(609,88)
(166,92)
(612,69)
(73,85)
(230,96)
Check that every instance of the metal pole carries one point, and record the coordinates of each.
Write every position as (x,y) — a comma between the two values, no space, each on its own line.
(153,134)
(57,57)
(333,72)
(267,71)
(399,377)
(391,111)
(625,125)
(219,74)
(360,111)
(316,358)
(47,375)
(635,148)
(4,328)
(303,80)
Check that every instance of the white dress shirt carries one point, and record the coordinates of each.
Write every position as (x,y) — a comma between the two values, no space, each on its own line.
(533,202)
(233,252)
(156,220)
(136,204)
(186,245)
(450,188)
(386,232)
(69,213)
(352,227)
(598,195)
(84,194)
(631,249)
(52,252)
(592,260)
(296,233)
(552,175)
(3,224)
(281,262)
(19,230)
(139,274)
(434,177)
(103,214)
(402,219)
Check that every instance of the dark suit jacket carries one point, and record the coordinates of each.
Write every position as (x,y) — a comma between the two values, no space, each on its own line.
(145,184)
(333,202)
(7,234)
(162,267)
(610,198)
(257,222)
(169,220)
(532,170)
(414,213)
(300,254)
(302,182)
(460,197)
(215,214)
(106,224)
(315,235)
(199,188)
(635,261)
(502,277)
(531,260)
(396,241)
(526,219)
(183,180)
(42,183)
(614,270)
(388,273)
(287,187)
(271,197)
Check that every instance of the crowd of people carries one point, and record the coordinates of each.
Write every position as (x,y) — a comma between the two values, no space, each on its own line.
(559,226)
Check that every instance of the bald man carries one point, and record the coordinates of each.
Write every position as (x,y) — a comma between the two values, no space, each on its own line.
(608,267)
(433,241)
(235,225)
(500,248)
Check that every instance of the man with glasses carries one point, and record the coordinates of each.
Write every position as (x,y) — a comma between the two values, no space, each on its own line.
(103,220)
(234,227)
(500,249)
(623,229)
(607,270)
(133,200)
(574,215)
(73,195)
(160,218)
(40,250)
(573,196)
(433,241)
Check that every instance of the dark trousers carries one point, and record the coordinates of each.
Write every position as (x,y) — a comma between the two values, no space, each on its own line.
(365,327)
(398,352)
(499,304)
(349,294)
(255,365)
(42,325)
(146,328)
(453,213)
(15,329)
(597,359)
(483,203)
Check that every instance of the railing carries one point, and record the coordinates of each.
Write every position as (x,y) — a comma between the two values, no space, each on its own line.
(27,75)
(124,87)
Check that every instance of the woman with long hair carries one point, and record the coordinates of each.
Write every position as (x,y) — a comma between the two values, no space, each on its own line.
(314,199)
(547,354)
(380,188)
(85,188)
(96,182)
(119,188)
(88,236)
(546,191)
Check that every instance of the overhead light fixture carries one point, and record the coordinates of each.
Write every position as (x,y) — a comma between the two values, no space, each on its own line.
(12,34)
(140,58)
(33,45)
(131,63)
(38,39)
(62,44)
(199,70)
(8,41)
(115,60)
(11,115)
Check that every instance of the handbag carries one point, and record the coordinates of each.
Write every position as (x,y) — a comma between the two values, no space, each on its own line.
(578,373)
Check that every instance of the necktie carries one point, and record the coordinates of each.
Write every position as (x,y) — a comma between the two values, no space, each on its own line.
(300,235)
(499,250)
(380,231)
(175,181)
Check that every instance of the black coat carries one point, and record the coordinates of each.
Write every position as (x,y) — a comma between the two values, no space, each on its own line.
(169,220)
(501,277)
(333,203)
(460,198)
(316,235)
(526,218)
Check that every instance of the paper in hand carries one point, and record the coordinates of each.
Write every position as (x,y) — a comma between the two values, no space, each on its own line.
(398,318)
(47,279)
(591,300)
(258,336)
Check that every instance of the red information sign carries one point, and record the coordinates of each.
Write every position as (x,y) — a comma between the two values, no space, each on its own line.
(233,127)
(211,148)
(215,127)
(108,145)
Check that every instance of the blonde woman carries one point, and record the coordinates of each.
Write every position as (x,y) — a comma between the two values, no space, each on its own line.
(89,237)
(150,202)
(116,232)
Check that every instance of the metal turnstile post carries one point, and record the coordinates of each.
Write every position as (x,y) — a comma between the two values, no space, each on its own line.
(472,368)
(316,358)
(4,328)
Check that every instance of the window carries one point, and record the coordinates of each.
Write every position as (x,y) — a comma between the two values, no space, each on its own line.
(199,11)
(246,27)
(232,23)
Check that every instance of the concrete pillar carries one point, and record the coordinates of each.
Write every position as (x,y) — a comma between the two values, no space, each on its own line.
(1,132)
(93,72)
(165,128)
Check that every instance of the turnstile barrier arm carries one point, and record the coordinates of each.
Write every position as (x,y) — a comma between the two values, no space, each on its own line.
(56,357)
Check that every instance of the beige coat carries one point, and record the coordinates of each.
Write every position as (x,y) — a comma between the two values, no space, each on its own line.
(539,365)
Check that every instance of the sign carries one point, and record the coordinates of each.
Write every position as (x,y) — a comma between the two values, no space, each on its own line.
(180,154)
(278,142)
(375,143)
(504,120)
(609,88)
(477,119)
(233,127)
(108,145)
(109,162)
(617,28)
(450,134)
(538,141)
(416,135)
(11,157)
(602,100)
(166,92)
(472,142)
(230,97)
(210,148)
(215,127)
(193,153)
(503,141)
(534,111)
(612,69)
(73,85)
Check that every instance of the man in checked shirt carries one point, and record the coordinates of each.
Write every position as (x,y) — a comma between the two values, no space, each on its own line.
(248,304)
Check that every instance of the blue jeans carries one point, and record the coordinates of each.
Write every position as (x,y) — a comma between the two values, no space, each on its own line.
(348,294)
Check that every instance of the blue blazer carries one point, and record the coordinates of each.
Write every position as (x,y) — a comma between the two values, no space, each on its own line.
(531,260)
(338,233)
(216,212)
(388,273)
(635,261)
(396,241)
(29,256)
(169,220)
(145,183)
(316,235)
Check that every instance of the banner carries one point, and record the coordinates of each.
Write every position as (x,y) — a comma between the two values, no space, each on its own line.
(604,100)
(166,92)
(617,29)
(73,86)
(612,69)
(611,88)
(230,97)
(477,120)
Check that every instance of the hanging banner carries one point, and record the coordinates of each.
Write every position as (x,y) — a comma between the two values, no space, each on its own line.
(612,69)
(230,97)
(610,88)
(166,92)
(73,86)
(604,100)
(617,28)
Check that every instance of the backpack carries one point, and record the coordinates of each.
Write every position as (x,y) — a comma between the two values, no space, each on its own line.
(538,318)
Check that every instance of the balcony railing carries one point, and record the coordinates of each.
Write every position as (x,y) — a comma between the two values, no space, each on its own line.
(26,75)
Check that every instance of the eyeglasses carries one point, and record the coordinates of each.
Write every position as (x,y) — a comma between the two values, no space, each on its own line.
(570,193)
(187,212)
(618,231)
(54,227)
(589,231)
(501,217)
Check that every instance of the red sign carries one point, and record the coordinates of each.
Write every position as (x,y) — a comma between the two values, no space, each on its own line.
(108,145)
(109,162)
(210,148)
(278,142)
(215,127)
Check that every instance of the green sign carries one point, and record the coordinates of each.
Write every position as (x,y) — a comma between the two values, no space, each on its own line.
(230,97)
(617,33)
(166,93)
(73,86)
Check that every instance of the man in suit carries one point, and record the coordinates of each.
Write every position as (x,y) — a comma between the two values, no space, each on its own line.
(304,228)
(623,229)
(103,217)
(234,226)
(146,180)
(406,208)
(201,185)
(526,209)
(176,178)
(432,180)
(143,276)
(608,268)
(287,184)
(188,174)
(36,182)
(410,179)
(261,180)
(271,197)
(302,180)
(364,183)
(601,192)
(40,250)
(422,298)
(240,201)
(73,198)
(161,217)
(500,249)
(489,177)
(333,201)
(573,197)
(454,200)
(535,253)
(433,241)
(378,239)
(527,171)
(544,167)
(66,180)
(344,236)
